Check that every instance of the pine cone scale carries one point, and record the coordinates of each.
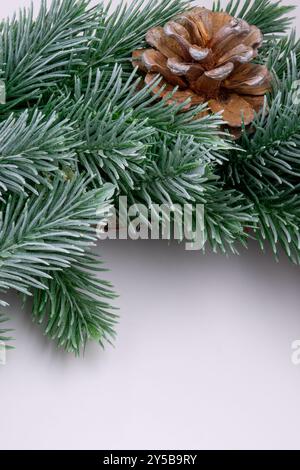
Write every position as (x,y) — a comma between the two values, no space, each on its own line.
(232,108)
(157,38)
(249,79)
(239,54)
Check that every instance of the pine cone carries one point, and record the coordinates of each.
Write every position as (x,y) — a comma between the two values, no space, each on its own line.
(208,56)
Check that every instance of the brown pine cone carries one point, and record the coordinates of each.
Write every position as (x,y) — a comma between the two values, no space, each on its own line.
(208,56)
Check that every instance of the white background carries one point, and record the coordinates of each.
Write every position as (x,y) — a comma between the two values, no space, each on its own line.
(202,358)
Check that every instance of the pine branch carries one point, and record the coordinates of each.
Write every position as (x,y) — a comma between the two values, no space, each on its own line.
(279,222)
(116,123)
(43,243)
(4,337)
(179,173)
(169,120)
(265,168)
(111,142)
(229,215)
(47,232)
(270,17)
(124,29)
(270,157)
(276,54)
(37,53)
(32,147)
(71,309)
(174,172)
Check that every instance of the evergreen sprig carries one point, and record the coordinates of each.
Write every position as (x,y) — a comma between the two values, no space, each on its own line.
(123,29)
(37,53)
(78,129)
(50,232)
(269,16)
(279,222)
(5,338)
(73,308)
(32,147)
(270,157)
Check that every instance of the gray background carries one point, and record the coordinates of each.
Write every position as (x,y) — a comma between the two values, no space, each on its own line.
(202,358)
